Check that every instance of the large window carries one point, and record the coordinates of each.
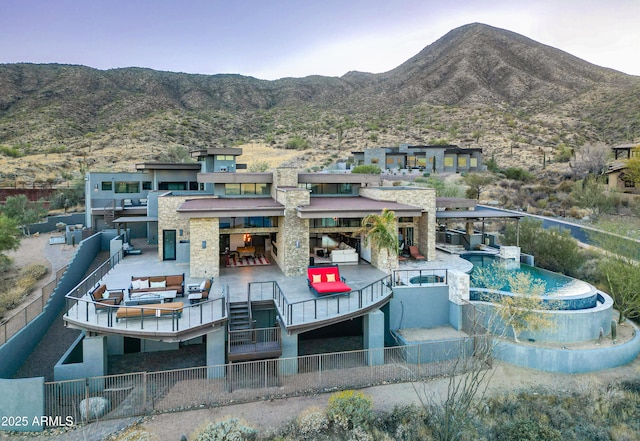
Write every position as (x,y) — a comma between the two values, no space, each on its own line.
(473,162)
(224,157)
(448,161)
(107,186)
(248,222)
(127,187)
(334,222)
(462,161)
(317,189)
(146,185)
(172,186)
(247,189)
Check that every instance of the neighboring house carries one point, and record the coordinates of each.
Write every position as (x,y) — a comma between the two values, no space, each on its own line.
(430,158)
(617,179)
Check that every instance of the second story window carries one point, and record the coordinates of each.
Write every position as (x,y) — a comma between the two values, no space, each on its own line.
(127,187)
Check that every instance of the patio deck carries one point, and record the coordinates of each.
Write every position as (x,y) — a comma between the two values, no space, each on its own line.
(301,309)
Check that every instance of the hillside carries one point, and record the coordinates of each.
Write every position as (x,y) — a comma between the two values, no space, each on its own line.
(476,86)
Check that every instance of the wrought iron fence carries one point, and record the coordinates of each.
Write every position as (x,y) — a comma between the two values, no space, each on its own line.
(135,394)
(29,311)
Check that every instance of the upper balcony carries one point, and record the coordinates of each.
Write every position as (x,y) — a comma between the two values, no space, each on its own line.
(297,308)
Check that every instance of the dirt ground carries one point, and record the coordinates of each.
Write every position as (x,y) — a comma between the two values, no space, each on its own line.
(36,249)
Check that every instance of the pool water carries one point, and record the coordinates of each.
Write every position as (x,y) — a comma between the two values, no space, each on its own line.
(569,292)
(554,282)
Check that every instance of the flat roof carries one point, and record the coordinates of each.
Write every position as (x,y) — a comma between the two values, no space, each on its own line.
(168,166)
(232,207)
(477,214)
(134,219)
(352,207)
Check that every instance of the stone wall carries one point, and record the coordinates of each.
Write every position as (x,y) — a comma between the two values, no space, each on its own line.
(205,247)
(425,198)
(170,219)
(293,235)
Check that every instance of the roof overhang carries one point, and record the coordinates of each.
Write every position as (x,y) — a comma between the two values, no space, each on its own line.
(191,166)
(135,219)
(353,207)
(235,178)
(339,178)
(231,207)
(478,215)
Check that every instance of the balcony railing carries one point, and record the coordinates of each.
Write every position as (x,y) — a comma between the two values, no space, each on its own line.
(320,308)
(420,277)
(254,344)
(144,318)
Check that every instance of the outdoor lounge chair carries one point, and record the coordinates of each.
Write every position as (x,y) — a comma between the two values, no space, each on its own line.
(415,254)
(102,302)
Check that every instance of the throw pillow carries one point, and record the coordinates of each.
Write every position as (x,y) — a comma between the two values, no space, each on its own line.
(203,284)
(316,278)
(162,284)
(331,277)
(135,284)
(144,284)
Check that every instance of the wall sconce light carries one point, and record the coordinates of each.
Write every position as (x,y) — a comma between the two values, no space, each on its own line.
(180,231)
(204,244)
(297,244)
(95,187)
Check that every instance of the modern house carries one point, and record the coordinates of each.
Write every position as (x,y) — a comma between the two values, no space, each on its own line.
(206,218)
(617,177)
(430,158)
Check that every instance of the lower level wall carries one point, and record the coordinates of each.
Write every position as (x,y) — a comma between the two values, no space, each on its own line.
(22,404)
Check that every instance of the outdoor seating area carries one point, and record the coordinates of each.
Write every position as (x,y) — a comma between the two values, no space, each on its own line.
(415,254)
(324,280)
(147,284)
(173,309)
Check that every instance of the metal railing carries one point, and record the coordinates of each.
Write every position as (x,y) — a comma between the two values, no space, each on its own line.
(420,277)
(254,340)
(29,311)
(165,317)
(144,393)
(320,308)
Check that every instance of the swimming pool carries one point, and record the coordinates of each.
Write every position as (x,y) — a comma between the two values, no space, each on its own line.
(566,292)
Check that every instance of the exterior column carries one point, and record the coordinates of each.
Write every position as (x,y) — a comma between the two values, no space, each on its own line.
(458,295)
(216,350)
(205,247)
(288,363)
(373,337)
(94,356)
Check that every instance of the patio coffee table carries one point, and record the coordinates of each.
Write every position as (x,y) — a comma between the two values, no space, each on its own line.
(146,298)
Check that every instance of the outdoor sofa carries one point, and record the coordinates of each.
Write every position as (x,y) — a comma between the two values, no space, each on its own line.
(173,309)
(324,280)
(157,283)
(113,297)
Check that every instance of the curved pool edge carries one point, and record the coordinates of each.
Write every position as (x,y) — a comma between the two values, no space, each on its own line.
(569,361)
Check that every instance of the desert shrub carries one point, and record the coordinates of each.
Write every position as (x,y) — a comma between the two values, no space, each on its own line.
(11,152)
(227,430)
(526,430)
(296,143)
(366,169)
(312,422)
(350,409)
(405,423)
(517,174)
(35,271)
(554,249)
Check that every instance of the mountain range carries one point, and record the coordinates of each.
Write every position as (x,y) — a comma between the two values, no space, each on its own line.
(477,86)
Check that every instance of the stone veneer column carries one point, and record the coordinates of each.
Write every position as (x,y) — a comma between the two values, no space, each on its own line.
(459,283)
(170,219)
(424,198)
(205,262)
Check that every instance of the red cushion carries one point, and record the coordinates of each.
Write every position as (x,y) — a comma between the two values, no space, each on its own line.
(330,287)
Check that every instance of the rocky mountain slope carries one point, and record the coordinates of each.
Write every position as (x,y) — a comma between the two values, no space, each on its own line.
(476,86)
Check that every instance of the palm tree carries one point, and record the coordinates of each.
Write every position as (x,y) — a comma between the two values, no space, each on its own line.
(380,229)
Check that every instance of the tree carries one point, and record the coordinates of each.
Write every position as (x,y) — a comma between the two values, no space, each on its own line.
(590,193)
(476,183)
(554,249)
(619,269)
(9,238)
(590,159)
(520,311)
(23,211)
(632,170)
(381,230)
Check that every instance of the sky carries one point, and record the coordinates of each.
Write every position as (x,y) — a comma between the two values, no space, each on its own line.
(271,39)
